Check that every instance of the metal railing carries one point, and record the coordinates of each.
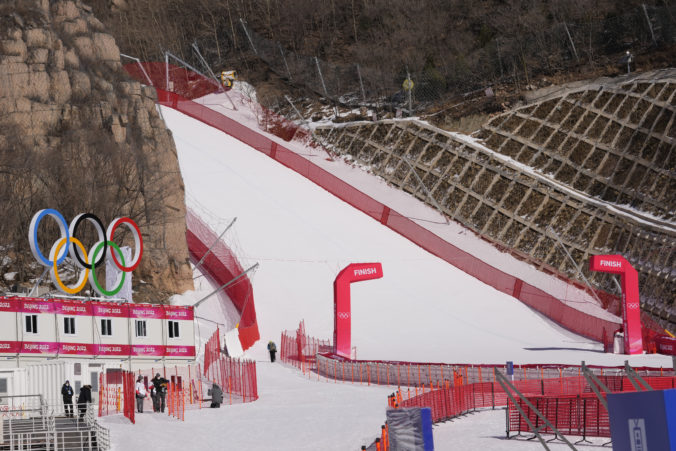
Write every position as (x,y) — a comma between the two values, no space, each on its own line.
(44,431)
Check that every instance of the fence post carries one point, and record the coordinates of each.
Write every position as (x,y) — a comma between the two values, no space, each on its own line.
(321,77)
(284,58)
(361,84)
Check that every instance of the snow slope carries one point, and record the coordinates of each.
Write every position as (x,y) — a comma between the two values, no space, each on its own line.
(423,309)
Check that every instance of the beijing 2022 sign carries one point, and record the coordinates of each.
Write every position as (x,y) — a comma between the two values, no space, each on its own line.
(67,244)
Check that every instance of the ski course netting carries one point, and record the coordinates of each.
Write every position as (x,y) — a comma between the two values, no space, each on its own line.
(221,266)
(577,321)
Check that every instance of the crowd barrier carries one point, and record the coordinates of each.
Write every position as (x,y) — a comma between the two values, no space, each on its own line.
(117,394)
(212,351)
(221,266)
(568,403)
(579,322)
(418,374)
(300,350)
(235,376)
(117,391)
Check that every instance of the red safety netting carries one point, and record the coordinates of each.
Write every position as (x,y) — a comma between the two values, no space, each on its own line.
(300,350)
(181,81)
(580,322)
(221,266)
(212,351)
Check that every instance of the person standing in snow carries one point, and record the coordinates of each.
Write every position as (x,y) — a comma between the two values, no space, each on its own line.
(67,393)
(83,399)
(273,350)
(159,385)
(141,394)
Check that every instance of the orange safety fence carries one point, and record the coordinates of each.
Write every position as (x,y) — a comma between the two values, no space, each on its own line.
(235,376)
(300,350)
(334,367)
(568,403)
(117,393)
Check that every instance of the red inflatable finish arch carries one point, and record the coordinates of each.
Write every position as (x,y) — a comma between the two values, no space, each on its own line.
(342,316)
(631,311)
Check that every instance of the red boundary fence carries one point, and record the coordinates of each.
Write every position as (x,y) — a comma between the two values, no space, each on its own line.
(579,322)
(221,266)
(212,351)
(300,350)
(117,391)
(417,374)
(235,376)
(567,403)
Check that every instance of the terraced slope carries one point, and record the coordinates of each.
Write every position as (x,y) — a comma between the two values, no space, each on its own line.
(589,170)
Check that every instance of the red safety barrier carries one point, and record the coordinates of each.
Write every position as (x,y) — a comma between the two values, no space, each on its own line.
(400,373)
(568,403)
(221,266)
(235,376)
(212,352)
(577,321)
(300,350)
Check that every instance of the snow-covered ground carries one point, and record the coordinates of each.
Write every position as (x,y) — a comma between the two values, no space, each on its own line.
(423,309)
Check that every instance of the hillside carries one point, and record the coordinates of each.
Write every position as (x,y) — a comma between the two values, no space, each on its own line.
(77,135)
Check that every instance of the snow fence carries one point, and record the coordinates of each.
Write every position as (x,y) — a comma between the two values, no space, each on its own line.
(221,266)
(579,322)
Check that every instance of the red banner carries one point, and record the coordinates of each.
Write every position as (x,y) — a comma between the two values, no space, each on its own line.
(39,347)
(179,351)
(179,313)
(147,350)
(68,307)
(9,347)
(109,310)
(111,349)
(76,348)
(146,311)
(30,305)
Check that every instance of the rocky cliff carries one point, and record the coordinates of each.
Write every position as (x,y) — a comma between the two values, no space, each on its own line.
(76,134)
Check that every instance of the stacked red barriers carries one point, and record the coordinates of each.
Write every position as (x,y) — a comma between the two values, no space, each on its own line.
(579,322)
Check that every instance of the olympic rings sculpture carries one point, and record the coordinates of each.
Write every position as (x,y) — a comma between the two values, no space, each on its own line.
(67,244)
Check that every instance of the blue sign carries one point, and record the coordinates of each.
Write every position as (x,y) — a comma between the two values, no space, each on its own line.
(643,421)
(510,368)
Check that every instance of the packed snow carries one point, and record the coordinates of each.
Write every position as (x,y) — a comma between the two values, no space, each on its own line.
(423,309)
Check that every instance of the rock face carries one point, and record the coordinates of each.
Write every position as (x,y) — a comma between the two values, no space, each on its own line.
(76,134)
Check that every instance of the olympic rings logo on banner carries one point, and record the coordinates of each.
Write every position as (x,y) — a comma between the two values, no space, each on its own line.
(632,305)
(67,244)
(343,315)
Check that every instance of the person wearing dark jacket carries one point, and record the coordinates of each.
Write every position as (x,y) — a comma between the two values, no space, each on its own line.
(84,398)
(216,396)
(67,393)
(159,385)
(273,350)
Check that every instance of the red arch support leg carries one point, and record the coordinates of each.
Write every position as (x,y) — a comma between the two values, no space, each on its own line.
(342,316)
(631,311)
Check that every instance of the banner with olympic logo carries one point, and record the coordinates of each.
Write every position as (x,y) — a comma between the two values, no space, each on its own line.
(68,244)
